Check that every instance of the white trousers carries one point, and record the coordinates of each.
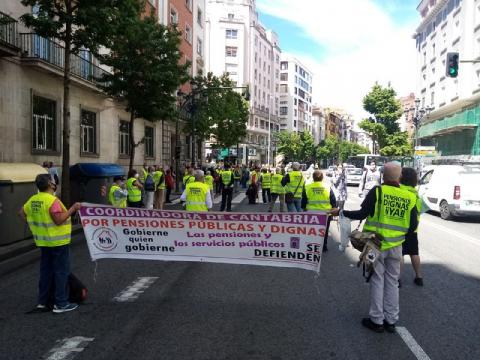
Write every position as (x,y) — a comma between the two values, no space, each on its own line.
(149,196)
(384,298)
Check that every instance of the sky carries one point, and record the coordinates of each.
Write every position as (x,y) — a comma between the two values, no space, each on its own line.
(348,45)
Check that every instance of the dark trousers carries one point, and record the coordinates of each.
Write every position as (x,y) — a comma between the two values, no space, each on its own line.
(54,269)
(167,196)
(266,195)
(226,199)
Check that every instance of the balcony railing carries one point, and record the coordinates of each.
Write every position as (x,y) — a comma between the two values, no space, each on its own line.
(8,30)
(36,47)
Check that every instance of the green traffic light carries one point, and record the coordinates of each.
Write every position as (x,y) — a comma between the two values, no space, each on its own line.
(453,72)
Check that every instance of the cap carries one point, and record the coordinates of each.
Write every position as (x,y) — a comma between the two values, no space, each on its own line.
(116,178)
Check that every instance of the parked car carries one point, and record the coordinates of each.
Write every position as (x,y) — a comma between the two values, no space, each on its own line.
(452,190)
(330,171)
(354,176)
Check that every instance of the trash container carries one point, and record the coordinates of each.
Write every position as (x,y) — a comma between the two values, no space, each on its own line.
(17,184)
(90,182)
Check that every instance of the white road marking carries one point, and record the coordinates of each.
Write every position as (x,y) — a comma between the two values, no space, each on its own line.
(470,239)
(68,348)
(412,344)
(133,291)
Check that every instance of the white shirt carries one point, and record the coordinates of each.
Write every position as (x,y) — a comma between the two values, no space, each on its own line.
(208,201)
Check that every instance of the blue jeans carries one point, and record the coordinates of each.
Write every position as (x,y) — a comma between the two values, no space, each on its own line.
(295,206)
(54,269)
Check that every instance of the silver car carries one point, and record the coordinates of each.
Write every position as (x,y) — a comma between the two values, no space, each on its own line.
(354,176)
(330,171)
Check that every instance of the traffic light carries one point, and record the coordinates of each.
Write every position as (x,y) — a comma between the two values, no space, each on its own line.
(452,64)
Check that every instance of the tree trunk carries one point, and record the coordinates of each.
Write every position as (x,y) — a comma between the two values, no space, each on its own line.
(132,140)
(65,194)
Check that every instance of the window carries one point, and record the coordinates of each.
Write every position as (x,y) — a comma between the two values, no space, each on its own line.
(277,73)
(188,4)
(283,110)
(44,124)
(173,16)
(231,16)
(256,57)
(200,17)
(88,132)
(284,77)
(295,101)
(295,123)
(256,40)
(284,65)
(188,33)
(432,98)
(149,141)
(124,141)
(199,47)
(283,88)
(231,51)
(295,112)
(231,33)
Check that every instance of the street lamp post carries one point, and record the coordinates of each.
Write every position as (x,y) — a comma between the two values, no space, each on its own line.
(269,125)
(418,114)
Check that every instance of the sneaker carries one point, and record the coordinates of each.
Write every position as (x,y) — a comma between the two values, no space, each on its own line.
(66,308)
(389,327)
(369,324)
(39,309)
(418,281)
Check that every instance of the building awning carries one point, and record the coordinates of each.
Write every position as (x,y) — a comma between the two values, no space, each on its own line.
(454,129)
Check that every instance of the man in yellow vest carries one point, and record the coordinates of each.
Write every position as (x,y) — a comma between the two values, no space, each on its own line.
(197,195)
(51,227)
(143,173)
(118,194)
(134,188)
(159,178)
(390,211)
(228,180)
(317,196)
(293,182)
(188,177)
(266,181)
(277,191)
(209,181)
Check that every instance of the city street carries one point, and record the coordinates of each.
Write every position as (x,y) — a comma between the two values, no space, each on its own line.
(214,311)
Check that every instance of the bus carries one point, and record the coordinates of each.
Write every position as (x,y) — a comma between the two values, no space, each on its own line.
(363,160)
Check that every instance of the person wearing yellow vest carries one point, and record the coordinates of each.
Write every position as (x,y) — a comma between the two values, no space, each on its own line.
(134,188)
(252,191)
(209,181)
(197,195)
(159,179)
(319,197)
(391,212)
(277,190)
(266,181)
(188,177)
(228,181)
(51,227)
(118,195)
(294,182)
(143,173)
(409,182)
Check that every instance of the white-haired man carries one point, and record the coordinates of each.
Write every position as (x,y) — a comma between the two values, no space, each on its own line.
(293,183)
(197,194)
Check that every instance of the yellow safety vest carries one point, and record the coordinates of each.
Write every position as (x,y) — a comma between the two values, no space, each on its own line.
(134,193)
(209,181)
(226,177)
(236,175)
(393,221)
(143,175)
(296,183)
(318,196)
(277,187)
(253,174)
(45,232)
(122,203)
(157,175)
(187,179)
(197,196)
(419,201)
(266,180)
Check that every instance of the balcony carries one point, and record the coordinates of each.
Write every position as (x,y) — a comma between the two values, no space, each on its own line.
(49,56)
(9,42)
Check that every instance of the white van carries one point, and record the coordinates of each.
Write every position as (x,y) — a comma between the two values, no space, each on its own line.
(452,190)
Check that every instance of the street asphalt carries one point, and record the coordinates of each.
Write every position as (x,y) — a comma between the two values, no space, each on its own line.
(218,311)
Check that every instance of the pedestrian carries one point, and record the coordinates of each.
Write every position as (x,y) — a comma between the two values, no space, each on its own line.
(52,170)
(188,177)
(143,173)
(51,227)
(149,188)
(134,189)
(159,179)
(209,181)
(317,196)
(266,181)
(118,194)
(371,177)
(252,191)
(197,196)
(340,186)
(237,175)
(169,184)
(277,191)
(409,182)
(294,182)
(245,177)
(228,180)
(391,212)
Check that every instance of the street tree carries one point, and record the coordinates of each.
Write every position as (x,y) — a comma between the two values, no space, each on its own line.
(77,25)
(308,150)
(397,144)
(376,131)
(146,59)
(382,104)
(289,145)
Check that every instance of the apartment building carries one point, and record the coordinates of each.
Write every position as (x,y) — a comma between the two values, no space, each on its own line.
(449,26)
(406,122)
(318,121)
(295,96)
(238,44)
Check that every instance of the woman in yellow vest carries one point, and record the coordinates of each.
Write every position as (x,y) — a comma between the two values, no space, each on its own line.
(266,181)
(51,227)
(197,195)
(118,195)
(134,188)
(277,191)
(209,181)
(159,179)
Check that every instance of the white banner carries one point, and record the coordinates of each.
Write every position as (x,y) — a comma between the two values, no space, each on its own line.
(278,239)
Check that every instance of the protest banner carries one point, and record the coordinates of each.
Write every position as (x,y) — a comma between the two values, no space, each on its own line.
(269,239)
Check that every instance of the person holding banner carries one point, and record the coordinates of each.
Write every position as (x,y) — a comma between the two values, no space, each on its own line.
(319,197)
(134,188)
(118,195)
(197,195)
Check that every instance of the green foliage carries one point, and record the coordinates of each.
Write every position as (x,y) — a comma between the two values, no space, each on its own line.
(347,149)
(332,148)
(289,144)
(308,150)
(397,144)
(376,131)
(381,103)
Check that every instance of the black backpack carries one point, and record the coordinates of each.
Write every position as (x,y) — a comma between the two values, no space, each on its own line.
(149,183)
